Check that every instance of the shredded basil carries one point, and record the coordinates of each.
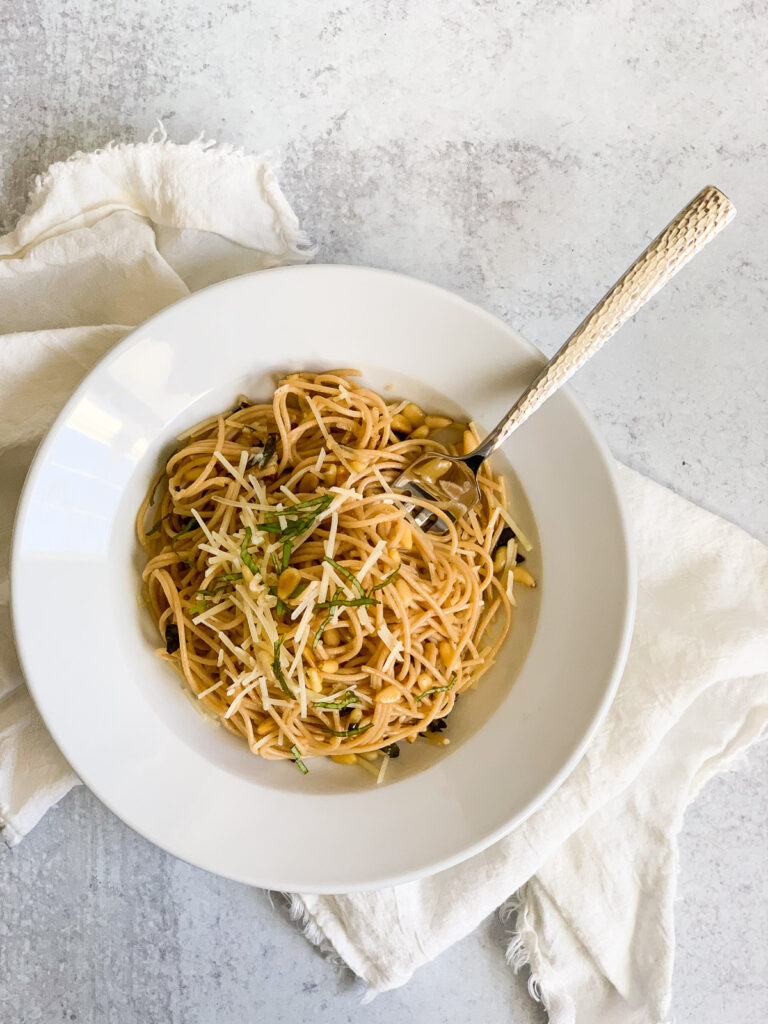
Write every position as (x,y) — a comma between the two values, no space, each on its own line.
(336,705)
(245,558)
(385,582)
(299,761)
(155,485)
(158,524)
(347,574)
(347,602)
(195,609)
(299,506)
(436,689)
(352,731)
(271,522)
(220,583)
(279,672)
(287,549)
(321,630)
(270,446)
(299,524)
(281,606)
(190,525)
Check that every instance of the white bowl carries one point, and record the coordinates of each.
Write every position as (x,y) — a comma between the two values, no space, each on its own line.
(120,715)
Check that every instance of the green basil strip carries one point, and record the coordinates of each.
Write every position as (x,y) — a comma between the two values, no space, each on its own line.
(326,622)
(279,672)
(158,524)
(270,446)
(299,761)
(347,602)
(322,501)
(245,558)
(336,705)
(348,732)
(321,630)
(347,574)
(436,689)
(287,548)
(190,525)
(385,582)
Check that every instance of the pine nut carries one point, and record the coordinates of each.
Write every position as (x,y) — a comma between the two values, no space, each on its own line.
(437,422)
(344,758)
(500,561)
(248,576)
(430,651)
(521,575)
(433,470)
(342,476)
(329,474)
(290,578)
(403,536)
(355,716)
(413,414)
(268,725)
(400,424)
(394,555)
(468,442)
(310,482)
(358,466)
(331,637)
(314,681)
(424,681)
(389,695)
(404,592)
(447,653)
(422,431)
(329,667)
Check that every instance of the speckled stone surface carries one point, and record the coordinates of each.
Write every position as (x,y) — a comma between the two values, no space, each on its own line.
(520,153)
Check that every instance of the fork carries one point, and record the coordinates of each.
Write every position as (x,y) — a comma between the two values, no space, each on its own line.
(451,480)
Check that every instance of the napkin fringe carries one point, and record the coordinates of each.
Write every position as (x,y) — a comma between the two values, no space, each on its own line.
(522,943)
(298,913)
(157,137)
(298,247)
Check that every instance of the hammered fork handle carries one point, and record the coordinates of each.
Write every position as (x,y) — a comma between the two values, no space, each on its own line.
(685,236)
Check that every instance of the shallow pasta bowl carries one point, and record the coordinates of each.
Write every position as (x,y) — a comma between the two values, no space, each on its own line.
(120,715)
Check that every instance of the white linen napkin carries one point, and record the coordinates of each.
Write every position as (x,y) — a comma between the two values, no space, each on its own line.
(591,875)
(110,238)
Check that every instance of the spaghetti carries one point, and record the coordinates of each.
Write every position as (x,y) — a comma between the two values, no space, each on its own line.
(301,606)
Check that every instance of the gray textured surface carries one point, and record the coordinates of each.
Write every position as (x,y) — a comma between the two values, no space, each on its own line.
(519,153)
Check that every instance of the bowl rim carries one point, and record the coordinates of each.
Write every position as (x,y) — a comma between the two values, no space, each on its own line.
(628,567)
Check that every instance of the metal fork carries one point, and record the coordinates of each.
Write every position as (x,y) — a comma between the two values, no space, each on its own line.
(454,486)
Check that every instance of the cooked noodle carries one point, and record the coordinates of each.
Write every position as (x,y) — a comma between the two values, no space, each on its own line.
(295,494)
